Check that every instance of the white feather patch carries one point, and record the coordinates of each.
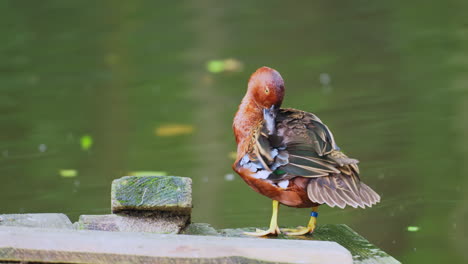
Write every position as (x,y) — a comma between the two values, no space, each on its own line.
(283,184)
(274,153)
(244,160)
(262,174)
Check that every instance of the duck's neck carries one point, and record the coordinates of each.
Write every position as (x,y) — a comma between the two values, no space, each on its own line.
(245,121)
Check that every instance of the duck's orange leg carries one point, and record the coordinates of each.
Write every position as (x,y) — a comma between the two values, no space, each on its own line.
(274,229)
(305,230)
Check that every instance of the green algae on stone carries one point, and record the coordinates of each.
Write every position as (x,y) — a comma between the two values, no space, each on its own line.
(361,249)
(152,193)
(201,229)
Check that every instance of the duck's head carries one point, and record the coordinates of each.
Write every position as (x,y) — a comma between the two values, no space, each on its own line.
(266,87)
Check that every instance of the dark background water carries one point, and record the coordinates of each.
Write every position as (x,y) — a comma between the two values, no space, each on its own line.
(389,79)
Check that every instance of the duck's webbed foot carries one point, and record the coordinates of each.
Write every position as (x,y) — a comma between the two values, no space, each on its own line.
(309,229)
(274,229)
(299,231)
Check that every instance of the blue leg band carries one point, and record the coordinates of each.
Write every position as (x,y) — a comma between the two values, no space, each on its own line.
(314,214)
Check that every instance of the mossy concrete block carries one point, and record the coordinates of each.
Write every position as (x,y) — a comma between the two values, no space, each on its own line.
(19,244)
(152,193)
(161,223)
(36,220)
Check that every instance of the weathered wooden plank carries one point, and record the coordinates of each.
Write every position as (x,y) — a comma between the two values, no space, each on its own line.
(55,245)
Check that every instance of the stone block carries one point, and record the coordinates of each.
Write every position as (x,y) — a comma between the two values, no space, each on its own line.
(160,222)
(152,193)
(36,220)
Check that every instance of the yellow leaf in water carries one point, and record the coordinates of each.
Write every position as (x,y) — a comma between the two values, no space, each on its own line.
(173,130)
(233,155)
(112,59)
(226,65)
(233,65)
(68,173)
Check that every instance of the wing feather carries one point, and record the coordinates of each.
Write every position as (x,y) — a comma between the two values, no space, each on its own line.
(299,144)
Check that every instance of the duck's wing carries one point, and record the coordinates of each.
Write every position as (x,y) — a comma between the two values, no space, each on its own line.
(300,144)
(304,141)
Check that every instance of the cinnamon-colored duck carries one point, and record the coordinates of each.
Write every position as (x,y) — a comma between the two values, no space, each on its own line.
(291,157)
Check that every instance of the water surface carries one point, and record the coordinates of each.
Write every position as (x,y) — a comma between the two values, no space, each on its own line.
(389,79)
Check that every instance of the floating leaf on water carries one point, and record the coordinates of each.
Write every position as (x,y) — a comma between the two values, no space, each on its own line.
(233,65)
(111,59)
(229,177)
(413,228)
(215,66)
(226,65)
(207,79)
(68,173)
(232,155)
(33,79)
(86,142)
(42,147)
(147,173)
(324,78)
(173,130)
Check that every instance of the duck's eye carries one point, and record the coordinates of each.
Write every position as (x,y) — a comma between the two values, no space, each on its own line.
(267,90)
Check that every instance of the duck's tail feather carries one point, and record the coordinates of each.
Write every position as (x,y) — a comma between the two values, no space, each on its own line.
(341,190)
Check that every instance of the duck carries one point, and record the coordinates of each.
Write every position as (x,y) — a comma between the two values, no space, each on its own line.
(291,156)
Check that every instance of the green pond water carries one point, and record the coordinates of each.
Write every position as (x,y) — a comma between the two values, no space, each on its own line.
(88,87)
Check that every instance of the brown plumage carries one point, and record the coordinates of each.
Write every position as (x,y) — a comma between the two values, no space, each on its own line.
(290,155)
